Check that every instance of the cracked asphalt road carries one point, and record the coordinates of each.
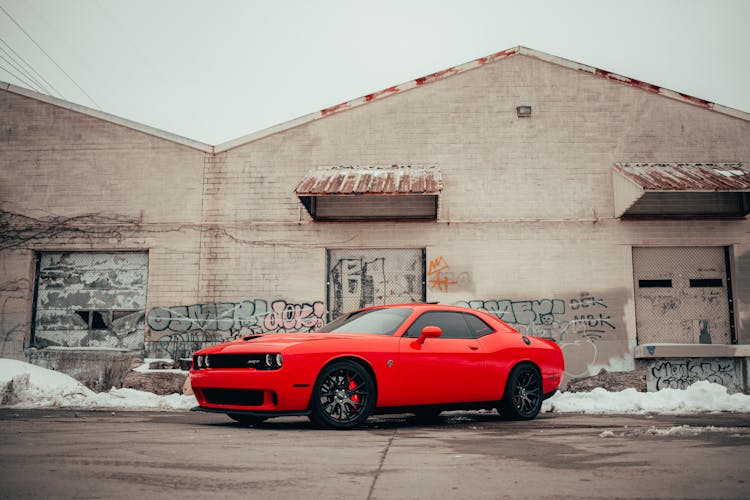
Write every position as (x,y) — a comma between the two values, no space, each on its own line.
(103,454)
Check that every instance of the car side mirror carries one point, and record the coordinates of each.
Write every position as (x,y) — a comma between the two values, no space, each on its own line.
(429,332)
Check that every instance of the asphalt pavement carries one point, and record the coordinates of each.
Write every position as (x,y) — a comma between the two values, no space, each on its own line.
(69,454)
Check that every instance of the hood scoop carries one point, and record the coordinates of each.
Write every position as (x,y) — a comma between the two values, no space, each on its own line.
(252,337)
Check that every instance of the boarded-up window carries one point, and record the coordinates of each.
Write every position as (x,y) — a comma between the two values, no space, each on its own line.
(88,299)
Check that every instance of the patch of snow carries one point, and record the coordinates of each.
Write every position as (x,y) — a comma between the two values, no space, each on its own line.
(678,431)
(23,385)
(700,397)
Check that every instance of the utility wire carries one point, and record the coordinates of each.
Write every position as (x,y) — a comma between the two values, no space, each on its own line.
(20,78)
(30,80)
(19,57)
(50,57)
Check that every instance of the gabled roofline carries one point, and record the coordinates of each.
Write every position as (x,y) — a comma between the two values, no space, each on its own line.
(478,63)
(161,134)
(396,89)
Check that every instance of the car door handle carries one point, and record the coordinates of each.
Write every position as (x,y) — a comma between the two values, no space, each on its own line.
(473,347)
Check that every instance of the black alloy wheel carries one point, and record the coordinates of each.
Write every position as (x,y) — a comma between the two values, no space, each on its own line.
(343,397)
(523,393)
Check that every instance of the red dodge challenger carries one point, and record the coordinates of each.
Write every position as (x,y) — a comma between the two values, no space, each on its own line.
(410,358)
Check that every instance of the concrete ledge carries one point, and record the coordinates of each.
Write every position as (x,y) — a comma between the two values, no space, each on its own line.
(648,351)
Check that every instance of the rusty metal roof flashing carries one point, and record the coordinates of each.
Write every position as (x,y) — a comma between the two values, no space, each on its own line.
(392,192)
(382,180)
(695,177)
(681,189)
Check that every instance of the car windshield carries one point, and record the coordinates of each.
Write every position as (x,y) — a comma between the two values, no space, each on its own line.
(378,321)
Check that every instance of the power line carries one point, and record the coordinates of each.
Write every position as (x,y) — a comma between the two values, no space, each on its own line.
(50,57)
(29,79)
(20,78)
(22,60)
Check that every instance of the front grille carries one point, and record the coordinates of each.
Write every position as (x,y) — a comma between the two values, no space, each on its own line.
(218,361)
(233,397)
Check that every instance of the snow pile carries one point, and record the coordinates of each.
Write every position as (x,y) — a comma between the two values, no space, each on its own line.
(700,397)
(23,385)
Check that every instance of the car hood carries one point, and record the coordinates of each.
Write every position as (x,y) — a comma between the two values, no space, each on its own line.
(277,342)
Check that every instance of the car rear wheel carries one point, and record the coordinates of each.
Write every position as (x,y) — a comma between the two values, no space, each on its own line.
(343,396)
(246,419)
(523,393)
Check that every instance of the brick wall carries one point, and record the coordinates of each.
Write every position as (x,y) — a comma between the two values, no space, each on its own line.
(526,216)
(83,184)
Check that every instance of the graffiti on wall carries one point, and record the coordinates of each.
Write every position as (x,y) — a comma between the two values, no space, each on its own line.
(235,318)
(681,373)
(585,315)
(364,277)
(442,279)
(576,324)
(181,330)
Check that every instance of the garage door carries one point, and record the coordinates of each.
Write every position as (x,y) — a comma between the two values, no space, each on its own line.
(366,277)
(87,299)
(682,295)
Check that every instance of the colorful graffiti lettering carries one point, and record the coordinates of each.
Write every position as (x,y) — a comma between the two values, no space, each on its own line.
(441,278)
(251,316)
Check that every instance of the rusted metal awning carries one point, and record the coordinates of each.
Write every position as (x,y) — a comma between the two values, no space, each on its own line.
(681,189)
(371,192)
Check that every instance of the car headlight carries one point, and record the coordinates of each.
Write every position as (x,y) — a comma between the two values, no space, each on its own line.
(279,360)
(206,360)
(199,361)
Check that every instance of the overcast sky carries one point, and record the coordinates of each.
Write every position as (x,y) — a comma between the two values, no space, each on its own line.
(217,70)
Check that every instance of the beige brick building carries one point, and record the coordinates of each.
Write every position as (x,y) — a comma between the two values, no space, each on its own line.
(573,203)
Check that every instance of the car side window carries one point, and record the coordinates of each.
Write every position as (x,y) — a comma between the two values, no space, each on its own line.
(478,327)
(453,325)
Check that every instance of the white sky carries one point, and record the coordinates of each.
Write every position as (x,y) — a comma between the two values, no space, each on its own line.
(217,70)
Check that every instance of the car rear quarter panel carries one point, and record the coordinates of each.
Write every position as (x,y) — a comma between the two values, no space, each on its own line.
(507,349)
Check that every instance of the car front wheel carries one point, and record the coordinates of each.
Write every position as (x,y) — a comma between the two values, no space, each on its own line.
(523,393)
(343,396)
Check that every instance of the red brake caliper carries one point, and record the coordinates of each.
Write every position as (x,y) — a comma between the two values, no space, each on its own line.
(352,386)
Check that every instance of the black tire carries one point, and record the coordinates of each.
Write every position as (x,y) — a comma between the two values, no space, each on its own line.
(523,393)
(343,397)
(246,419)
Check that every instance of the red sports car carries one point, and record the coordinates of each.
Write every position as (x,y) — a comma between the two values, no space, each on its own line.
(411,358)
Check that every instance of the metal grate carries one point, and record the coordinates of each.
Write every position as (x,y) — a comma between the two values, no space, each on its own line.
(682,295)
(364,277)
